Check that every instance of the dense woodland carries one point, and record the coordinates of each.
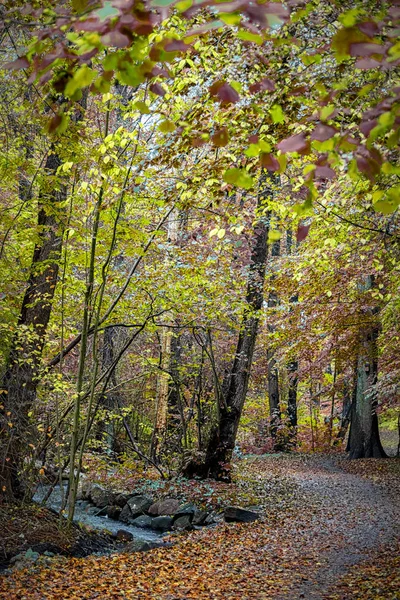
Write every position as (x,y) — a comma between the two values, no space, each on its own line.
(199,235)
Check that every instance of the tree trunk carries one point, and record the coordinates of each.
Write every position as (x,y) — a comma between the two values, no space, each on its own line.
(166,357)
(364,440)
(21,378)
(222,440)
(292,368)
(110,399)
(273,379)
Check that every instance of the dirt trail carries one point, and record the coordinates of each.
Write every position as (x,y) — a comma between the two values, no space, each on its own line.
(352,517)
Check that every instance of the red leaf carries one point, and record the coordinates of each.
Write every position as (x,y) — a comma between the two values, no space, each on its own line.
(366,49)
(302,232)
(367,126)
(367,63)
(263,85)
(220,137)
(295,143)
(324,172)
(369,28)
(323,132)
(54,123)
(269,162)
(115,39)
(157,89)
(176,46)
(225,92)
(19,63)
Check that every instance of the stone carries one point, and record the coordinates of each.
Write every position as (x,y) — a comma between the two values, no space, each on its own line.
(213,518)
(235,514)
(139,505)
(122,499)
(84,489)
(93,511)
(144,521)
(113,512)
(123,536)
(199,517)
(183,522)
(125,514)
(101,497)
(162,523)
(186,509)
(141,546)
(168,506)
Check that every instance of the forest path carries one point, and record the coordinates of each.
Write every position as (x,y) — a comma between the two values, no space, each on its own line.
(321,521)
(352,516)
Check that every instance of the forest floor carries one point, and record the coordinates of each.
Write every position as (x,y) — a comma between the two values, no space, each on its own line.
(329,531)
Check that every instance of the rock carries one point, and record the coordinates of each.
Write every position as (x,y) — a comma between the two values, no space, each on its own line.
(183,522)
(186,509)
(168,506)
(126,514)
(113,512)
(162,523)
(122,499)
(93,511)
(144,521)
(141,546)
(101,497)
(235,514)
(84,489)
(123,536)
(213,518)
(199,517)
(139,505)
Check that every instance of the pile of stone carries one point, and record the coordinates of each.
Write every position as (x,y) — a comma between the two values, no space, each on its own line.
(166,514)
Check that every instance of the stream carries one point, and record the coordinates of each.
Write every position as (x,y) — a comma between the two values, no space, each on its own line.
(82,515)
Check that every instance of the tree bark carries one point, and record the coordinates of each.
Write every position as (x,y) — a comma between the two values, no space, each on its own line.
(21,377)
(292,368)
(364,440)
(222,439)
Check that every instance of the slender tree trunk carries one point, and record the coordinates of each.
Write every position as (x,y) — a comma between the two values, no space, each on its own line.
(21,377)
(292,368)
(222,440)
(273,375)
(346,413)
(160,426)
(110,399)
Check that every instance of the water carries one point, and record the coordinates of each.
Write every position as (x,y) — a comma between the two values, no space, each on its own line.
(95,522)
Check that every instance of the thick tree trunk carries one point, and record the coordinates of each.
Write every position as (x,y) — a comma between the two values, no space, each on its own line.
(21,378)
(222,440)
(364,440)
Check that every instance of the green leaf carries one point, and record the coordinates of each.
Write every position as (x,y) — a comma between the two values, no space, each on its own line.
(274,235)
(384,207)
(349,18)
(142,107)
(277,114)
(166,126)
(326,111)
(79,5)
(247,36)
(230,18)
(81,79)
(252,151)
(239,177)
